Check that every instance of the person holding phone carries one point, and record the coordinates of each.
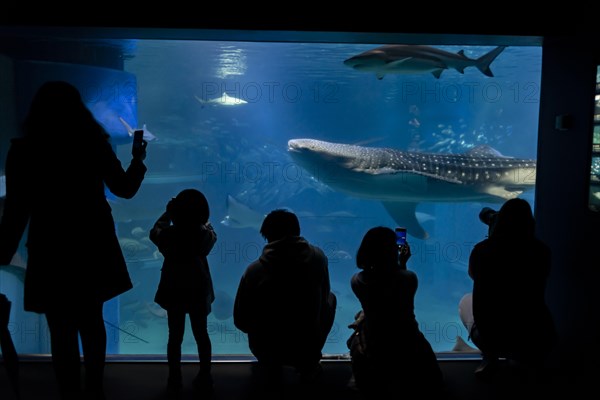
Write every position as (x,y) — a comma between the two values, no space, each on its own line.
(398,356)
(58,192)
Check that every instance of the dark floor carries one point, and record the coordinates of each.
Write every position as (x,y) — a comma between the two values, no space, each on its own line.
(234,380)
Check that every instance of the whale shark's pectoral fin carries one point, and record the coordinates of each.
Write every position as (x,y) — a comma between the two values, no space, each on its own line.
(405,215)
(437,73)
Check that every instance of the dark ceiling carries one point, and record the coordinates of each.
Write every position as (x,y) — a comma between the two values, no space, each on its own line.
(423,18)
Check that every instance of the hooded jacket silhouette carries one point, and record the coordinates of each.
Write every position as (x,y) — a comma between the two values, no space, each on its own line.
(284,302)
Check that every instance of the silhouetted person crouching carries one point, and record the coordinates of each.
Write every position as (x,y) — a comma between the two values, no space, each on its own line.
(509,271)
(397,360)
(284,302)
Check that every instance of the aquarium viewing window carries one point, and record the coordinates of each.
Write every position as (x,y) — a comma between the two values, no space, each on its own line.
(231,116)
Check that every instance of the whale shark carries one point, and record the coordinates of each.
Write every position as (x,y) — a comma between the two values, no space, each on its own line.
(418,59)
(403,179)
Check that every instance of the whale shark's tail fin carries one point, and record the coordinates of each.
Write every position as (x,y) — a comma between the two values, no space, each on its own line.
(483,62)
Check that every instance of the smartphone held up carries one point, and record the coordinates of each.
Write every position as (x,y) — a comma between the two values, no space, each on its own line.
(138,147)
(138,137)
(401,236)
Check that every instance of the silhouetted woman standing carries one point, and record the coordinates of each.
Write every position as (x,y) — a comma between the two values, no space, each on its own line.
(55,181)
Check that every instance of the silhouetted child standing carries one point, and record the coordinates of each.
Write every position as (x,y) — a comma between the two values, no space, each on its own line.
(185,237)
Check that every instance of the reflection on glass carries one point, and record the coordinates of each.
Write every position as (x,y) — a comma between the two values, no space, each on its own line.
(231,62)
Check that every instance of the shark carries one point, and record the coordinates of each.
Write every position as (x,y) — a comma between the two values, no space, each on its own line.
(401,180)
(418,59)
(223,100)
(148,136)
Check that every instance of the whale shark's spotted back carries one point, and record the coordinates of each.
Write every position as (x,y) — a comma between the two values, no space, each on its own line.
(402,179)
(478,165)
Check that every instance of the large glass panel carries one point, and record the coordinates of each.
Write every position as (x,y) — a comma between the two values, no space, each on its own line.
(222,115)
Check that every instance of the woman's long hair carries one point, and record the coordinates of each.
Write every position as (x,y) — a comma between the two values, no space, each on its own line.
(58,115)
(378,249)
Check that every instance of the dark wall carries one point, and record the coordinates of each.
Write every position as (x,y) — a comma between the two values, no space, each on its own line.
(564,220)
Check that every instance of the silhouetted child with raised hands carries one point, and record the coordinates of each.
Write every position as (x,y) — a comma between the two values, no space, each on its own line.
(185,237)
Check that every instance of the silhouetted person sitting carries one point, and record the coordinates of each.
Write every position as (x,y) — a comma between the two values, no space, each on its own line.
(74,262)
(284,302)
(509,271)
(185,237)
(399,359)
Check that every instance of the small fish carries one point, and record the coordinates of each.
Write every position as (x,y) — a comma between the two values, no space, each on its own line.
(223,100)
